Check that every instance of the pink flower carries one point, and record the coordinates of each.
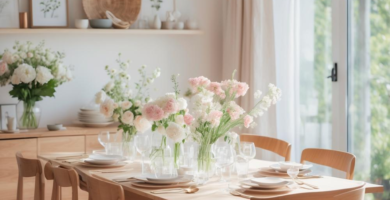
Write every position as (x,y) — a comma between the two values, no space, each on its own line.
(214,117)
(171,107)
(3,68)
(234,110)
(197,82)
(215,87)
(241,89)
(142,124)
(188,119)
(153,112)
(247,121)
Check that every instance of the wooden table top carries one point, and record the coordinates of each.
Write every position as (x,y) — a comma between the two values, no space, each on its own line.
(212,189)
(71,130)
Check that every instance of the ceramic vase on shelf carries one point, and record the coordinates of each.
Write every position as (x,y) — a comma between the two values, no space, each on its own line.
(156,23)
(29,115)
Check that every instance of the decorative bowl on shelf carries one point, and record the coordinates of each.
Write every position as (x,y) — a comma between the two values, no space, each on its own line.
(101,23)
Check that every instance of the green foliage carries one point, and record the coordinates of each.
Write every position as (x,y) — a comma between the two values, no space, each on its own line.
(33,92)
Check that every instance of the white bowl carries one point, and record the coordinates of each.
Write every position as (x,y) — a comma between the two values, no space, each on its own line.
(81,23)
(287,165)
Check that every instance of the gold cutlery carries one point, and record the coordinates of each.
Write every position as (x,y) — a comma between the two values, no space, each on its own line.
(308,184)
(192,189)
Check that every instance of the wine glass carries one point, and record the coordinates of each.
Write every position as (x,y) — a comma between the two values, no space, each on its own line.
(293,173)
(248,150)
(143,146)
(106,137)
(224,156)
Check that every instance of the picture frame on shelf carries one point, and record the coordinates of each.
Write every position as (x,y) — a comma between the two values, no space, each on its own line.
(9,14)
(8,110)
(49,13)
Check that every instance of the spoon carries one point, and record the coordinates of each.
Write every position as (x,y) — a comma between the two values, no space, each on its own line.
(308,184)
(192,189)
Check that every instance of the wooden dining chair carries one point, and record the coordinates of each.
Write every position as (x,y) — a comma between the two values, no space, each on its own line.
(100,189)
(277,146)
(62,177)
(354,193)
(30,168)
(342,161)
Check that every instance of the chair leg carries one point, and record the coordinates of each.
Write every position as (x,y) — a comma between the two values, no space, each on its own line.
(19,194)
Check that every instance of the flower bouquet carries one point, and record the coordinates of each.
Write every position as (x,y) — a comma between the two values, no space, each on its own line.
(117,100)
(216,112)
(34,72)
(170,119)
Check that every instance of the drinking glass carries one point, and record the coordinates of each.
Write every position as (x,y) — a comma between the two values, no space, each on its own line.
(106,137)
(248,150)
(143,146)
(224,156)
(293,173)
(113,148)
(241,167)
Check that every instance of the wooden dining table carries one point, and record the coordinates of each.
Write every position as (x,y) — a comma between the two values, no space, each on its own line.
(213,189)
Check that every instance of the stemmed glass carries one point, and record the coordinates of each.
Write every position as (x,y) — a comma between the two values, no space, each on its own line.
(293,173)
(143,146)
(248,151)
(224,156)
(106,137)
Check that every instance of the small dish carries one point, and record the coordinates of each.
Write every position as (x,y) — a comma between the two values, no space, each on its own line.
(256,186)
(152,177)
(101,23)
(287,165)
(267,181)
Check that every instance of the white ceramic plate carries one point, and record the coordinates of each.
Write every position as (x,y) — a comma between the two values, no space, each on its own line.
(151,186)
(256,186)
(152,177)
(105,157)
(94,125)
(276,166)
(246,189)
(118,164)
(267,181)
(100,162)
(181,180)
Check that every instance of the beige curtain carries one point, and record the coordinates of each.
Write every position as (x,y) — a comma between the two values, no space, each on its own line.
(248,46)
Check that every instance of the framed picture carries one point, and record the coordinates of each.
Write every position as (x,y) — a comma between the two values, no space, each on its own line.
(49,13)
(8,110)
(9,14)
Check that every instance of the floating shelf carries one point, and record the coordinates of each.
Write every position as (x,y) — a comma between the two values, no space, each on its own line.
(102,31)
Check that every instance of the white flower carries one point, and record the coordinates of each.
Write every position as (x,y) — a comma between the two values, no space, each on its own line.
(157,73)
(126,105)
(15,58)
(15,80)
(109,86)
(182,104)
(113,71)
(161,130)
(149,80)
(128,117)
(43,75)
(7,57)
(115,116)
(100,97)
(49,56)
(137,103)
(60,72)
(129,93)
(107,107)
(30,55)
(175,132)
(258,94)
(26,73)
(142,124)
(23,55)
(180,120)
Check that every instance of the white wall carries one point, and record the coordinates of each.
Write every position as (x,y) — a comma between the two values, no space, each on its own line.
(189,55)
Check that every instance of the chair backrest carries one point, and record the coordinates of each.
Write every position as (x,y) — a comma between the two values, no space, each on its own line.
(342,161)
(354,193)
(62,177)
(277,146)
(100,189)
(30,168)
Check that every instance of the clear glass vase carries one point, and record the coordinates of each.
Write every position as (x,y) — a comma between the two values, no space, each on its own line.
(29,115)
(128,146)
(206,168)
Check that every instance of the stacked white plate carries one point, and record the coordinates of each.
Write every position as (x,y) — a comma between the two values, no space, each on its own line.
(92,117)
(163,181)
(100,160)
(265,185)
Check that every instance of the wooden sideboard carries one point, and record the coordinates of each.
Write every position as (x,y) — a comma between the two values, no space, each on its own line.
(32,143)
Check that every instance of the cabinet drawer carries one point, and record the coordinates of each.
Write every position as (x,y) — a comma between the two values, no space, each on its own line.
(61,144)
(92,143)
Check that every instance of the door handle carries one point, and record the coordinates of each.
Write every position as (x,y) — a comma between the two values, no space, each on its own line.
(333,74)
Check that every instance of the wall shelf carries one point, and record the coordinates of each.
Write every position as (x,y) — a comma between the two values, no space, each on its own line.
(101,31)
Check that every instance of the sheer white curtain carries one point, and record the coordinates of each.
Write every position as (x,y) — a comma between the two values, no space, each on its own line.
(248,46)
